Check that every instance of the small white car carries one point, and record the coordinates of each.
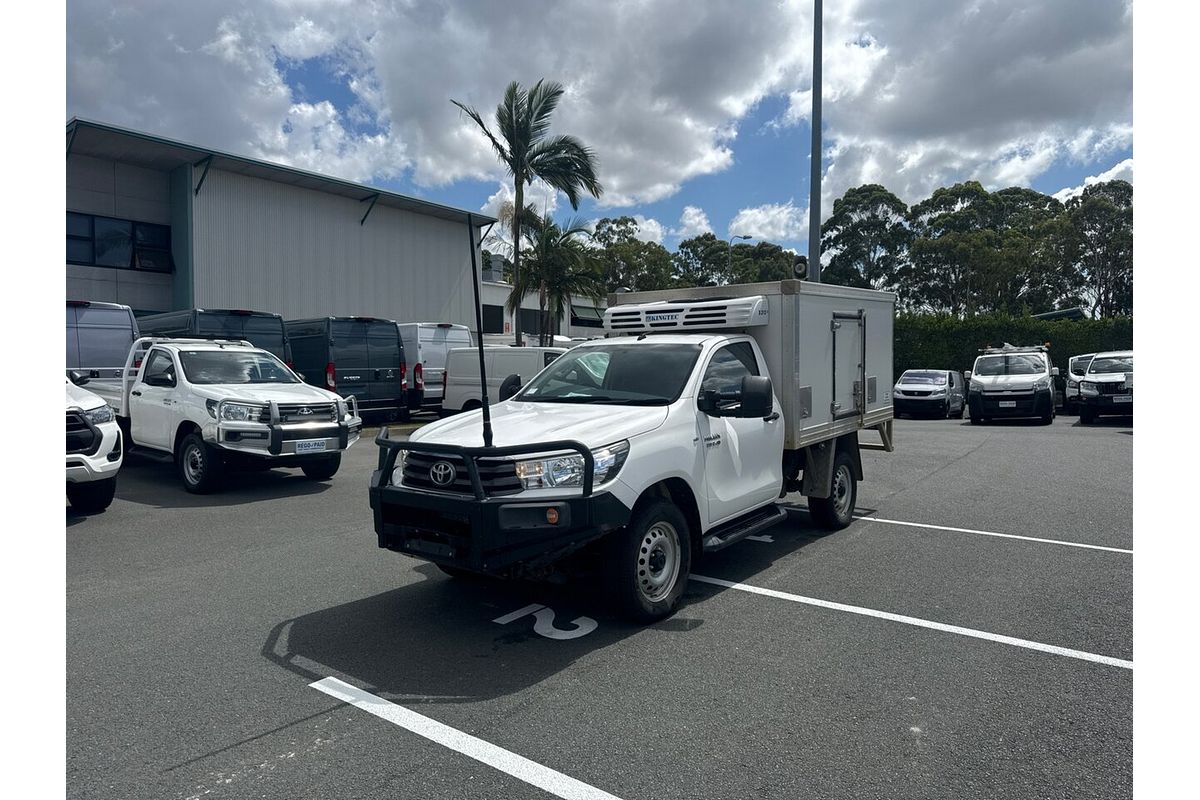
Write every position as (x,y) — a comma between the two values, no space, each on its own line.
(461,378)
(930,392)
(93,448)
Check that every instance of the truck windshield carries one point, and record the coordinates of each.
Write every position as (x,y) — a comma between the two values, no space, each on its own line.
(1017,364)
(627,373)
(1111,364)
(922,376)
(233,366)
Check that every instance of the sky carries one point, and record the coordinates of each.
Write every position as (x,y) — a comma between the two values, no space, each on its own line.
(698,112)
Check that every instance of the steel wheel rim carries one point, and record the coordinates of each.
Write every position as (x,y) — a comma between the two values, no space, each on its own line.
(841,491)
(193,464)
(658,561)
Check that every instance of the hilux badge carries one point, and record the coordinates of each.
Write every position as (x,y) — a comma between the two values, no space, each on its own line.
(442,473)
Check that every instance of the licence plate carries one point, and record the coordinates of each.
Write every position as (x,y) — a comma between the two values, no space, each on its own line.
(310,446)
(1008,403)
(1123,398)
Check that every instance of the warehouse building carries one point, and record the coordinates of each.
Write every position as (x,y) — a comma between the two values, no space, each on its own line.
(161,225)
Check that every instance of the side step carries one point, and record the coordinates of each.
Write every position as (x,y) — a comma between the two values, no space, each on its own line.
(731,532)
(151,454)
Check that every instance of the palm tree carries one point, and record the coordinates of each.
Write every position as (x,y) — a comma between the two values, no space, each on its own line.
(561,267)
(525,147)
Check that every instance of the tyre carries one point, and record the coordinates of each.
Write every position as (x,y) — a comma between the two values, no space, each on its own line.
(324,469)
(93,496)
(201,467)
(1047,418)
(837,511)
(961,410)
(404,415)
(648,562)
(1087,416)
(946,411)
(976,420)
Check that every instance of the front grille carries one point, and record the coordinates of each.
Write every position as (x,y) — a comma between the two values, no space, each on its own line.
(498,476)
(915,393)
(293,412)
(1112,388)
(81,437)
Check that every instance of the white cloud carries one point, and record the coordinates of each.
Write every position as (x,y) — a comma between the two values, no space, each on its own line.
(649,230)
(692,222)
(543,197)
(916,95)
(1122,171)
(774,222)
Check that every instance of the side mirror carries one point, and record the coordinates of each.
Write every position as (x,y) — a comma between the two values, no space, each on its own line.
(509,387)
(967,376)
(1054,371)
(707,402)
(159,379)
(77,377)
(757,399)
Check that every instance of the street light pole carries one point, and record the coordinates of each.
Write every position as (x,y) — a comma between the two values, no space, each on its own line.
(814,182)
(729,261)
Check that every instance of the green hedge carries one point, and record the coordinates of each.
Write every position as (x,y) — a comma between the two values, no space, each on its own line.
(946,342)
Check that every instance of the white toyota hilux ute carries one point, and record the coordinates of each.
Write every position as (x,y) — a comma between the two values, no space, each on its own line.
(93,448)
(676,436)
(214,404)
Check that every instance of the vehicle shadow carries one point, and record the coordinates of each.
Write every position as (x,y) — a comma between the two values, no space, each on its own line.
(437,641)
(1107,422)
(150,482)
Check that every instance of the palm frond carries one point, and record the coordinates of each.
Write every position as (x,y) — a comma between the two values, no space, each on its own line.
(566,164)
(501,152)
(543,99)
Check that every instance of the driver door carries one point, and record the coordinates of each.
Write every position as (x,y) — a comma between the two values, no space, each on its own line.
(742,457)
(152,399)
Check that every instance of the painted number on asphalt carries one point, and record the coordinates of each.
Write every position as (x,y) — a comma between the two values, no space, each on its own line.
(544,622)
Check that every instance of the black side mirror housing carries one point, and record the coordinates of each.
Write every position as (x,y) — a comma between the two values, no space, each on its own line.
(77,377)
(757,397)
(510,386)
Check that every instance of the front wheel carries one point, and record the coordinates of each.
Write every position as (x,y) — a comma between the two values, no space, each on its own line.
(837,511)
(324,469)
(200,465)
(1087,416)
(649,562)
(93,496)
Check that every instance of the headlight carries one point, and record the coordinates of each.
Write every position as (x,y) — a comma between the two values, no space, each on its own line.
(976,386)
(237,412)
(1072,384)
(398,471)
(941,390)
(1088,387)
(1042,383)
(99,415)
(567,471)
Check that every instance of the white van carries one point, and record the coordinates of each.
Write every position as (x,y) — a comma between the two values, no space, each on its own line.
(426,345)
(462,386)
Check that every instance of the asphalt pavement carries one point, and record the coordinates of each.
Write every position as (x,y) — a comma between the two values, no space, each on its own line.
(971,636)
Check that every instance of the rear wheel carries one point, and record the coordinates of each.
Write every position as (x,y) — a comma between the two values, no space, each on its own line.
(93,496)
(322,470)
(837,511)
(200,465)
(649,562)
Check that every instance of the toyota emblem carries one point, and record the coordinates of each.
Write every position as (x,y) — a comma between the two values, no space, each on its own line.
(305,410)
(442,473)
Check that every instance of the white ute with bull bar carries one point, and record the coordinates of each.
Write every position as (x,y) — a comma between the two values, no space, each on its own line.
(676,435)
(216,403)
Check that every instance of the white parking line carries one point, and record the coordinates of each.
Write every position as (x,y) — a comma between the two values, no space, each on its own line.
(992,533)
(519,767)
(921,623)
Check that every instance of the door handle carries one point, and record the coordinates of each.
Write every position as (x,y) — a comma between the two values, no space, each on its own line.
(166,402)
(136,393)
(774,415)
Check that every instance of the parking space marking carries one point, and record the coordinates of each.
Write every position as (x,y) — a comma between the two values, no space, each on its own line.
(922,623)
(993,533)
(506,761)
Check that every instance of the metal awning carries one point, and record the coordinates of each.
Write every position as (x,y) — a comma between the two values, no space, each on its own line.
(97,139)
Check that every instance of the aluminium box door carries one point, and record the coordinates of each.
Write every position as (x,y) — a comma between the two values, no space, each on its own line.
(848,329)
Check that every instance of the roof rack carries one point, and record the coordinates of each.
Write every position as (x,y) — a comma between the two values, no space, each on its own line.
(146,341)
(1008,348)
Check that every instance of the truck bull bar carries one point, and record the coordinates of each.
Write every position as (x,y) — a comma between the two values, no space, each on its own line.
(389,450)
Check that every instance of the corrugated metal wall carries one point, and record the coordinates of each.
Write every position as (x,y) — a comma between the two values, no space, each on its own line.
(273,247)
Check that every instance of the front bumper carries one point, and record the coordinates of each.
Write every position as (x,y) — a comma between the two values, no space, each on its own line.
(1038,403)
(504,535)
(103,460)
(1107,403)
(920,405)
(281,439)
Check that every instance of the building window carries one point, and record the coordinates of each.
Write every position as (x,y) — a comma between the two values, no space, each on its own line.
(586,316)
(118,243)
(493,319)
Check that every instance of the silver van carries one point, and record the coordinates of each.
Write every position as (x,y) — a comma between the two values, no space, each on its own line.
(99,336)
(463,387)
(930,392)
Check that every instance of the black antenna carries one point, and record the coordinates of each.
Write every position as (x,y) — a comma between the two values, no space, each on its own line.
(487,412)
